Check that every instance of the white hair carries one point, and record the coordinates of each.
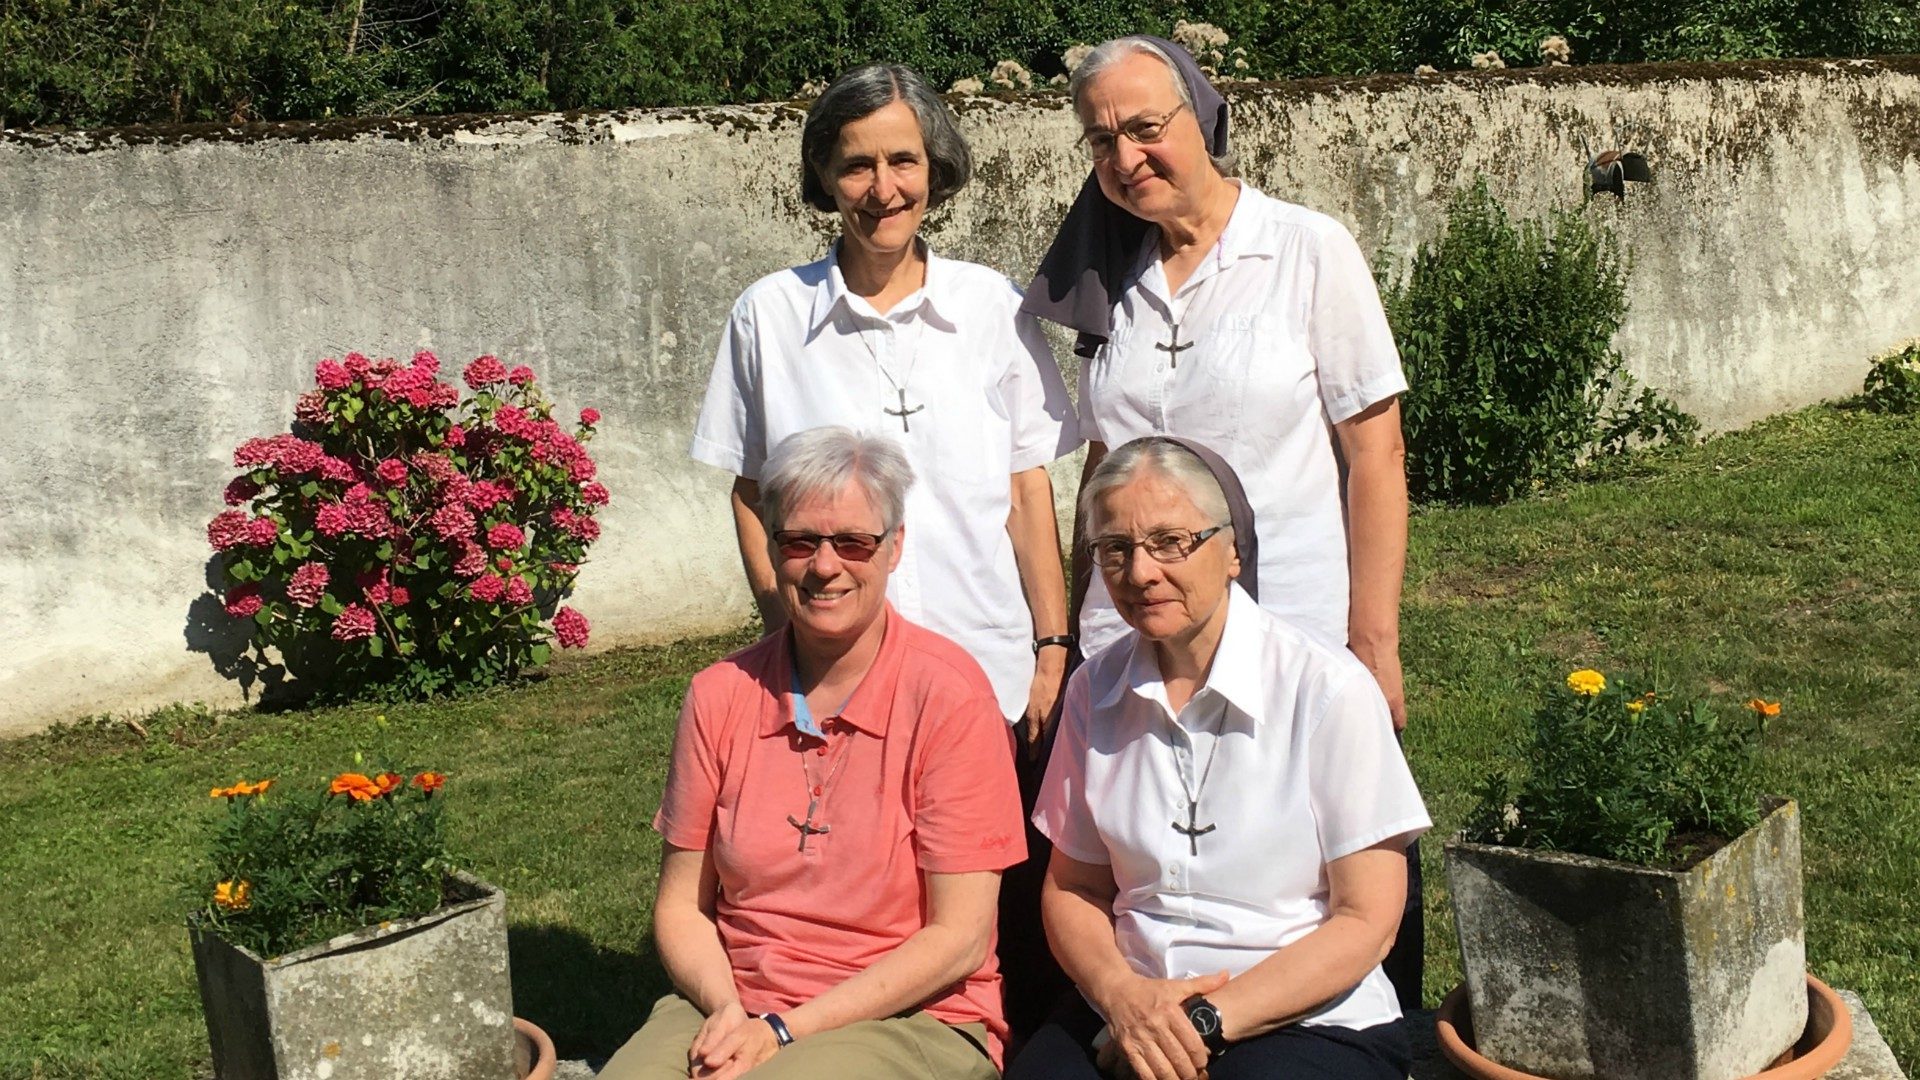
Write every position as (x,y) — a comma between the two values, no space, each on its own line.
(1157,454)
(824,460)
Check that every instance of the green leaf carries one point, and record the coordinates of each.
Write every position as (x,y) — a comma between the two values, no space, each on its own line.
(331,605)
(376,647)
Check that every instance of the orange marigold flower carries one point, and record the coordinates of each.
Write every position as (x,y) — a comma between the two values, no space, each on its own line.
(430,782)
(1768,709)
(223,793)
(388,782)
(233,895)
(356,786)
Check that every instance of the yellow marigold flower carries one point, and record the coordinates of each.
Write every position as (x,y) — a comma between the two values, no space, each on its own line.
(1636,707)
(1586,682)
(1768,709)
(233,895)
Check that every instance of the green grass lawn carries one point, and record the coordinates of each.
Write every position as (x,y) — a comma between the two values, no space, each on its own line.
(1783,561)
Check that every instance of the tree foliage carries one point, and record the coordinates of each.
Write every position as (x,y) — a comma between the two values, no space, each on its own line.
(90,63)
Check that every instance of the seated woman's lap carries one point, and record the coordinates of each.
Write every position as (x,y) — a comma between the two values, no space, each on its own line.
(915,1046)
(1060,1050)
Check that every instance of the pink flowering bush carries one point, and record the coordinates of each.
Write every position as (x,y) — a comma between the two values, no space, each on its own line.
(403,541)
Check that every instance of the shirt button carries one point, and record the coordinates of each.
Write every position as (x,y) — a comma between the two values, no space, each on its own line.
(822,751)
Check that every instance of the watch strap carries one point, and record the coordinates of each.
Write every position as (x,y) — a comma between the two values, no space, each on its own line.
(780,1033)
(1063,640)
(1205,1018)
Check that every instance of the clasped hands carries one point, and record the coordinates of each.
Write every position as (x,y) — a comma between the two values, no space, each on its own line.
(1151,1037)
(730,1042)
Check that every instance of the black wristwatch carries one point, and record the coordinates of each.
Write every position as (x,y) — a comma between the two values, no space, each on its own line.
(1064,640)
(1206,1020)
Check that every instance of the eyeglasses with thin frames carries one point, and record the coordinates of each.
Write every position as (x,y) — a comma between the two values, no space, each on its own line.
(1141,131)
(1163,545)
(849,546)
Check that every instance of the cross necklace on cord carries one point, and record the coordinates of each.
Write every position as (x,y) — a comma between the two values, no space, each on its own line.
(810,826)
(899,385)
(1173,346)
(1193,830)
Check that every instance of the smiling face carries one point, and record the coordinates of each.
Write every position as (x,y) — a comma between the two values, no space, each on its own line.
(829,598)
(1159,181)
(878,177)
(1166,602)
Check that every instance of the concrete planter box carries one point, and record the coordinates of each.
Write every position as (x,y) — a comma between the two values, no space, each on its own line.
(1584,968)
(425,998)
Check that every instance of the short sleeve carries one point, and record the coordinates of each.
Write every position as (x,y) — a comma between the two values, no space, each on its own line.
(731,431)
(1352,345)
(685,819)
(1089,426)
(1061,812)
(966,814)
(1361,789)
(1039,411)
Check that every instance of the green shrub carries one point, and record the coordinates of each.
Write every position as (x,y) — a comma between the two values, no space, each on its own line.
(1506,330)
(1619,771)
(1893,383)
(288,869)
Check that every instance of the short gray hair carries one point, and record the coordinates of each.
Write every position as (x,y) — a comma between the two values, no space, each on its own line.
(860,93)
(823,460)
(1161,455)
(1108,53)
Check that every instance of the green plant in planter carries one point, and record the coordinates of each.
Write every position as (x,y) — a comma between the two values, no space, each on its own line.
(288,870)
(1893,382)
(1618,770)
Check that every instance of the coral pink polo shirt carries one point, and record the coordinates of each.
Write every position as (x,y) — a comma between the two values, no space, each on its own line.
(924,784)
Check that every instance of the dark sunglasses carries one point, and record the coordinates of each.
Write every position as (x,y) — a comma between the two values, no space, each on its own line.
(850,546)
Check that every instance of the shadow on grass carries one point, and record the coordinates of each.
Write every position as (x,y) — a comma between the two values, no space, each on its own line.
(591,999)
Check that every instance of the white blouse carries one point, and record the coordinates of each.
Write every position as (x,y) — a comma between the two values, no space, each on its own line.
(983,399)
(1290,752)
(1281,336)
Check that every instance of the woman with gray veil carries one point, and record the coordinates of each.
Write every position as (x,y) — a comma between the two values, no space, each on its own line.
(1209,310)
(1228,810)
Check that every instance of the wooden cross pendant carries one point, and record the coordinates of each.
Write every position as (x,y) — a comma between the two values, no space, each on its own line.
(1173,348)
(1192,832)
(808,828)
(903,412)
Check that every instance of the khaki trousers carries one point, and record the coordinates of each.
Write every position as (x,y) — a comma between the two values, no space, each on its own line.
(902,1048)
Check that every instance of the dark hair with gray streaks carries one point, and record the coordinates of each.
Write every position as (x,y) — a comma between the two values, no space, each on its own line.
(1108,53)
(823,460)
(860,93)
(1160,455)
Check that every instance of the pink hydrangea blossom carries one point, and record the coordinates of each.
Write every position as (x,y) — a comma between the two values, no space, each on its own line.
(339,470)
(519,593)
(503,563)
(311,408)
(521,375)
(487,494)
(239,490)
(581,469)
(506,536)
(483,372)
(563,567)
(358,493)
(373,585)
(452,520)
(585,529)
(470,560)
(456,436)
(589,417)
(288,453)
(436,466)
(398,597)
(328,374)
(391,470)
(357,365)
(330,519)
(354,624)
(426,361)
(570,628)
(262,532)
(487,588)
(595,495)
(308,584)
(243,600)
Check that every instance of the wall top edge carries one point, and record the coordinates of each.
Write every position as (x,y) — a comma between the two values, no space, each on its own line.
(627,125)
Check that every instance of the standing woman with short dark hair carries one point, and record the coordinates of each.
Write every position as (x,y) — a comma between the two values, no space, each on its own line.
(883,336)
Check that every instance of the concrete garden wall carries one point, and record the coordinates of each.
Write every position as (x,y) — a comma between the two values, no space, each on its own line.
(165,292)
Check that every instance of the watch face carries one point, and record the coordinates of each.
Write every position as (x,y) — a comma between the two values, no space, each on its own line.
(1206,1019)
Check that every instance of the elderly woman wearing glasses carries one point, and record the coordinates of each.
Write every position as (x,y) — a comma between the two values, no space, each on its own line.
(1209,310)
(883,335)
(840,802)
(1228,810)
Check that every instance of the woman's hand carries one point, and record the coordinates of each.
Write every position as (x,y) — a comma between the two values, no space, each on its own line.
(747,1043)
(1151,1033)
